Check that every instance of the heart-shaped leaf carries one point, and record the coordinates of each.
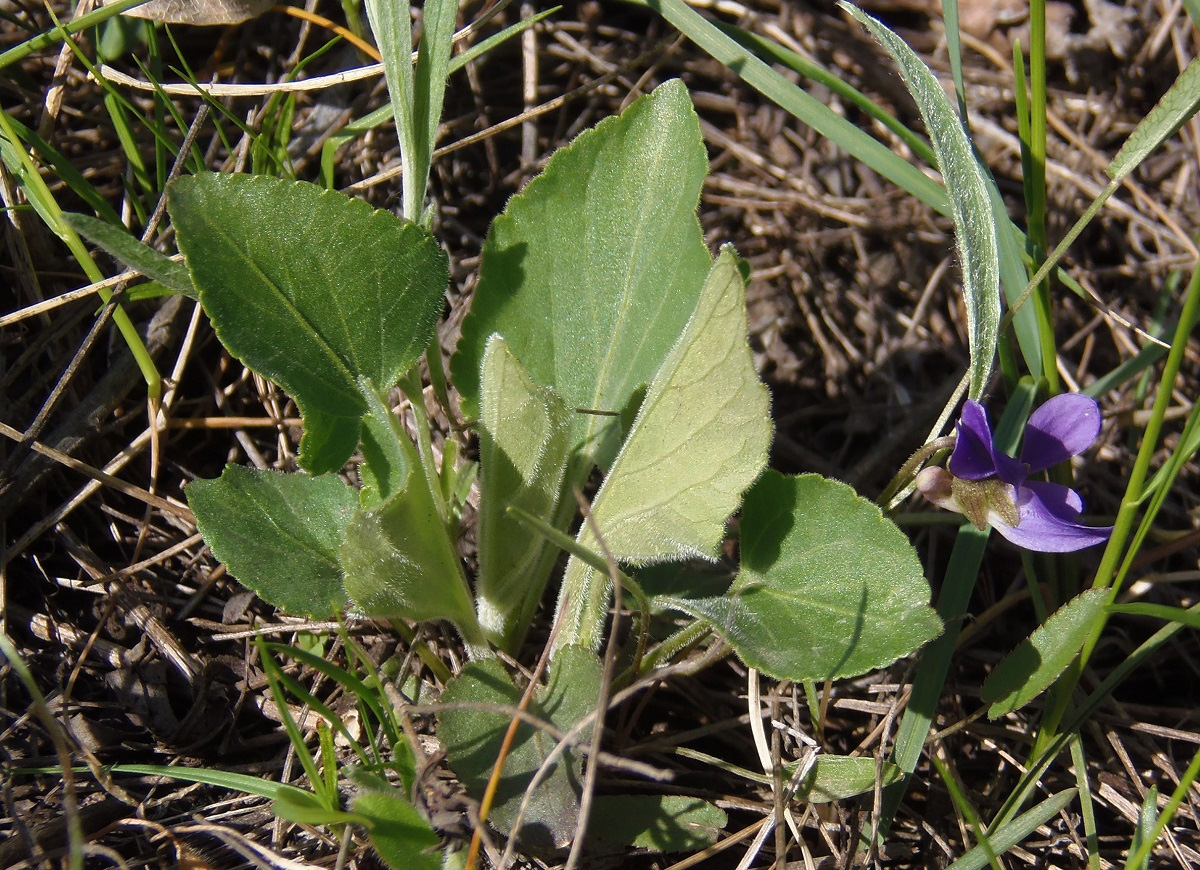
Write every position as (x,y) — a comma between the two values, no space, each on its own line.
(278,534)
(311,289)
(829,587)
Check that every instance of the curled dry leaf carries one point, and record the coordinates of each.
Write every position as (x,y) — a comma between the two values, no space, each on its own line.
(199,11)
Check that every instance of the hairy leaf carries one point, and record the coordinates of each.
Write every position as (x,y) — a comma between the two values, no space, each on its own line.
(593,270)
(1038,660)
(311,289)
(400,563)
(278,534)
(829,587)
(523,434)
(118,242)
(699,440)
(974,227)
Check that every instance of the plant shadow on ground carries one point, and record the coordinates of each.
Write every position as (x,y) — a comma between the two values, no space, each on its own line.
(855,327)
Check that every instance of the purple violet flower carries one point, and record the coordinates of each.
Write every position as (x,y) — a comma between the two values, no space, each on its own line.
(989,486)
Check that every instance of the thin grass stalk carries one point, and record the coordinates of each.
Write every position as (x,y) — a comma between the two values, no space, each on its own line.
(42,199)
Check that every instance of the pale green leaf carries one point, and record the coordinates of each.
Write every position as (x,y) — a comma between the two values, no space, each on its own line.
(700,438)
(1038,660)
(311,289)
(593,270)
(523,438)
(975,229)
(838,777)
(829,587)
(400,834)
(1173,109)
(659,823)
(472,736)
(118,242)
(278,534)
(400,563)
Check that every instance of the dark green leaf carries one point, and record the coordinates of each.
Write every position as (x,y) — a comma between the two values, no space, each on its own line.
(660,823)
(1037,661)
(278,533)
(837,777)
(403,839)
(311,289)
(119,243)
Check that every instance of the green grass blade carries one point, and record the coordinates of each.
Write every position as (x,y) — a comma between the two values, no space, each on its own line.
(970,206)
(13,153)
(1087,807)
(773,52)
(56,34)
(798,102)
(1179,103)
(119,243)
(1007,836)
(954,50)
(392,27)
(429,89)
(372,120)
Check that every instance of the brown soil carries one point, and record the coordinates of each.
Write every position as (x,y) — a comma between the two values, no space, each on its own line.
(141,645)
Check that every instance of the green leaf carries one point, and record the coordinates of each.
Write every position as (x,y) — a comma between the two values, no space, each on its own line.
(278,534)
(1037,661)
(970,207)
(311,289)
(388,452)
(523,434)
(416,94)
(1007,836)
(1179,103)
(308,810)
(829,587)
(400,563)
(119,243)
(403,839)
(593,270)
(700,438)
(837,777)
(660,823)
(472,737)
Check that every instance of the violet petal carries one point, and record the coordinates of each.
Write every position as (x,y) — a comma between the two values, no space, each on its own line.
(972,456)
(1047,512)
(1062,427)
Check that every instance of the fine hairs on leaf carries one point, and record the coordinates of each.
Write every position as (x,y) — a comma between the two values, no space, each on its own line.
(311,289)
(970,206)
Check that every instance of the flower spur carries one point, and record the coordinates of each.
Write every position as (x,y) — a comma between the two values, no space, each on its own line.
(989,486)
